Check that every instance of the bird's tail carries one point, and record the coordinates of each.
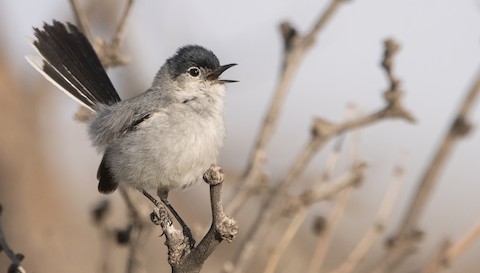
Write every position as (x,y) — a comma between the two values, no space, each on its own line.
(68,60)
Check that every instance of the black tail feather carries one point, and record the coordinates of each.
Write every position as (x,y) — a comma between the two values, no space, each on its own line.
(70,60)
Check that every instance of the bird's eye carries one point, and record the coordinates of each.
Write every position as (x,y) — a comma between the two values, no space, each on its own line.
(193,71)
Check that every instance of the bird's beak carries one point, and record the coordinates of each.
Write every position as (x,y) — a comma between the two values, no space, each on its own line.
(217,72)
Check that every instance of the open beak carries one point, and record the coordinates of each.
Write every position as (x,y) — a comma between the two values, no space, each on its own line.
(217,72)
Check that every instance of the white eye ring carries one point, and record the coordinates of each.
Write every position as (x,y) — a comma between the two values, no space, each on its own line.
(193,71)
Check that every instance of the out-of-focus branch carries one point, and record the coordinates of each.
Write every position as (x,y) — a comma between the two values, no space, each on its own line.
(365,244)
(407,235)
(137,233)
(322,132)
(14,258)
(181,256)
(304,201)
(100,214)
(436,262)
(300,212)
(109,52)
(81,19)
(449,252)
(296,46)
(326,235)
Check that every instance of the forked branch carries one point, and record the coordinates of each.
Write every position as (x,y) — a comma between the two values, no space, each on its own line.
(182,256)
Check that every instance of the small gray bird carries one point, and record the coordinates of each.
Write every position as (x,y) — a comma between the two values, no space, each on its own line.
(162,139)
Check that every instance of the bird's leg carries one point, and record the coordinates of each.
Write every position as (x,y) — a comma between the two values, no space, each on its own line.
(164,198)
(151,198)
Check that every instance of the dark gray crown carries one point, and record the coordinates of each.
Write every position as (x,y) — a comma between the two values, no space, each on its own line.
(192,55)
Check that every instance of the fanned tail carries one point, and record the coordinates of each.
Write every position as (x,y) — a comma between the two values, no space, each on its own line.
(69,61)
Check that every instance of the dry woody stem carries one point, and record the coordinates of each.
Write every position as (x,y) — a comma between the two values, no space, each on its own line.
(408,235)
(449,252)
(296,47)
(181,255)
(15,258)
(377,229)
(322,132)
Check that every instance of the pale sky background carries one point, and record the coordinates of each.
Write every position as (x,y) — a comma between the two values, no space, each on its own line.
(440,54)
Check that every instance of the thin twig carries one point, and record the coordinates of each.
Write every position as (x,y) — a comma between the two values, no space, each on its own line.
(340,204)
(458,248)
(81,19)
(14,258)
(109,54)
(183,257)
(322,132)
(436,263)
(296,48)
(365,244)
(119,36)
(320,137)
(449,252)
(323,191)
(326,236)
(407,234)
(139,232)
(287,237)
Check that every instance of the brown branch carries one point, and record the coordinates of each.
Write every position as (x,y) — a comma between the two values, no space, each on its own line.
(367,241)
(15,258)
(100,215)
(326,236)
(304,201)
(322,132)
(138,232)
(296,47)
(436,263)
(458,248)
(181,256)
(109,53)
(407,234)
(449,252)
(81,19)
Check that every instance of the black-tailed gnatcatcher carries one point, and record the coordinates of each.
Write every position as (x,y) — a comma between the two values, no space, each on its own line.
(162,139)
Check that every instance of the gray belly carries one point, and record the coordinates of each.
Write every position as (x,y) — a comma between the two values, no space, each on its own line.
(153,157)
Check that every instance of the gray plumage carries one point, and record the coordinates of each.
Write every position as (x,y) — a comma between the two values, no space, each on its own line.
(162,139)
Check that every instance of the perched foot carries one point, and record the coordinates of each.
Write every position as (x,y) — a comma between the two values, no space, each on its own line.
(163,197)
(186,230)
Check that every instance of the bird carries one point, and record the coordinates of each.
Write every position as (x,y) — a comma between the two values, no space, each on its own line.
(162,139)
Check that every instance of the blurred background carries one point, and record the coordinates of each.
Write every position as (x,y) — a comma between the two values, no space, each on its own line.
(48,168)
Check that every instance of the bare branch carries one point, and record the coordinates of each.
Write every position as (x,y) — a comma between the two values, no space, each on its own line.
(16,259)
(109,53)
(296,47)
(138,232)
(327,190)
(408,233)
(119,36)
(325,237)
(81,19)
(378,228)
(285,240)
(459,247)
(322,132)
(181,256)
(436,263)
(323,191)
(449,252)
